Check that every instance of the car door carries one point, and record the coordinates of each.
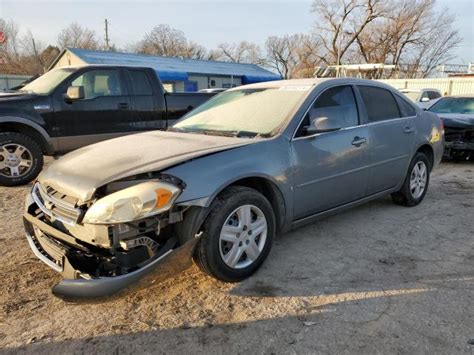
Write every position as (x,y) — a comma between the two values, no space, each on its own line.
(391,135)
(330,168)
(147,103)
(103,113)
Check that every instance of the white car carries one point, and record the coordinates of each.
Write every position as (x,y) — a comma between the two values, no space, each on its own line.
(422,97)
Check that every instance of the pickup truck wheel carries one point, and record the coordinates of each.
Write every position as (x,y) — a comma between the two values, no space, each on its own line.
(21,159)
(416,182)
(237,234)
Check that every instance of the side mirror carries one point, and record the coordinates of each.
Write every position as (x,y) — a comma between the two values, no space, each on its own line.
(425,99)
(75,93)
(322,124)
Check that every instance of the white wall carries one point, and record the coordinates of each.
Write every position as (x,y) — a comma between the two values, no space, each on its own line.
(68,59)
(451,86)
(204,81)
(8,81)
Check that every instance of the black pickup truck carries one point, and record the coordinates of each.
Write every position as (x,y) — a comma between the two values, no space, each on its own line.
(71,107)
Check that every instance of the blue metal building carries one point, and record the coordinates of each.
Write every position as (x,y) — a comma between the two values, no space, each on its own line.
(177,74)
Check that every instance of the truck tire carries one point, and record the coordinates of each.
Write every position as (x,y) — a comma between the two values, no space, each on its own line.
(21,159)
(237,234)
(416,182)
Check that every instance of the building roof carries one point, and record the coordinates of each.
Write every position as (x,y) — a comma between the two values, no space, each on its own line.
(171,68)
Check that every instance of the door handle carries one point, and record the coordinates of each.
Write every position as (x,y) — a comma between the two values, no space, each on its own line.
(408,129)
(123,106)
(358,141)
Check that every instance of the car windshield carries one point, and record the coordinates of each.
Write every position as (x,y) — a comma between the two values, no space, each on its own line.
(412,95)
(454,105)
(246,112)
(47,82)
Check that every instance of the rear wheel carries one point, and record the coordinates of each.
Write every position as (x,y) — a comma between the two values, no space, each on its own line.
(237,234)
(21,159)
(416,182)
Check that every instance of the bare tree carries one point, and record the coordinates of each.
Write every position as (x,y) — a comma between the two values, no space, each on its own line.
(23,54)
(10,51)
(163,40)
(281,54)
(293,56)
(77,36)
(241,52)
(195,51)
(412,36)
(308,52)
(340,22)
(166,41)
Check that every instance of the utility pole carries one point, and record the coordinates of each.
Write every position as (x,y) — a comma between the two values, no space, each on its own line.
(106,22)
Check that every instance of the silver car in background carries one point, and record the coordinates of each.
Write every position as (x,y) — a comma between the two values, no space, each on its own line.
(250,163)
(424,98)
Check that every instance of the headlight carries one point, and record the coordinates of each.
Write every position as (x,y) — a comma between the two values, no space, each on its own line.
(133,203)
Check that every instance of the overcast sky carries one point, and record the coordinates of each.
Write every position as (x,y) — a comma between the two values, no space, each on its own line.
(206,22)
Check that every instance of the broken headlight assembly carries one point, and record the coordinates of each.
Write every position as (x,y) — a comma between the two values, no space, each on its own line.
(133,203)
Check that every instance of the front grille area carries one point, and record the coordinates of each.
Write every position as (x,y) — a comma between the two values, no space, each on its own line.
(453,134)
(56,204)
(49,247)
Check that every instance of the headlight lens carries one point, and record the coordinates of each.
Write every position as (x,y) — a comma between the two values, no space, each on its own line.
(133,203)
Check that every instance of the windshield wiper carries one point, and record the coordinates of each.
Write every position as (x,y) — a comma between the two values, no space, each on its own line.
(214,132)
(250,134)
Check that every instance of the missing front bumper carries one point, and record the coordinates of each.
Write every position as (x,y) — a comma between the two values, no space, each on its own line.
(45,243)
(168,264)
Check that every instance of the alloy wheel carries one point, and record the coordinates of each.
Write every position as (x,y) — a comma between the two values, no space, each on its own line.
(418,179)
(15,160)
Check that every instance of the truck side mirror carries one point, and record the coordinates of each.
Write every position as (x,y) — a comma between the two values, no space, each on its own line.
(75,93)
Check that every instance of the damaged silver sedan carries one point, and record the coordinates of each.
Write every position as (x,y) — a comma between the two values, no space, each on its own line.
(252,162)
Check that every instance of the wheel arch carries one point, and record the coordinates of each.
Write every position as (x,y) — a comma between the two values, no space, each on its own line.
(427,150)
(28,128)
(267,188)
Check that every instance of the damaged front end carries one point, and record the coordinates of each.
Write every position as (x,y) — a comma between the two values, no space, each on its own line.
(459,142)
(131,230)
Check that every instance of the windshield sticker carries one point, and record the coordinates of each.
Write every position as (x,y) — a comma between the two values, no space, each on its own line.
(295,88)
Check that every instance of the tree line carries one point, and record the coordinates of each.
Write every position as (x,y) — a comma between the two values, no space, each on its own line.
(412,35)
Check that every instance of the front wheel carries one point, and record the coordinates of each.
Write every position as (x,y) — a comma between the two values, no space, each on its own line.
(415,186)
(21,159)
(237,234)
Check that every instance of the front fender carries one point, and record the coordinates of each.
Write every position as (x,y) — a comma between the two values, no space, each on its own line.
(207,176)
(48,140)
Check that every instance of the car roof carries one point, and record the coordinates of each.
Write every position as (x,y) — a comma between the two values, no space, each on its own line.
(312,82)
(418,90)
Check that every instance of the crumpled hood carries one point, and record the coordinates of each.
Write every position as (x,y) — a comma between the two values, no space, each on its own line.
(457,120)
(79,173)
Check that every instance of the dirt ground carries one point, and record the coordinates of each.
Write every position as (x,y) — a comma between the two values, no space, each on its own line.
(379,278)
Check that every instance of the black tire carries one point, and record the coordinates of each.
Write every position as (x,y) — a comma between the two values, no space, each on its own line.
(404,196)
(36,158)
(208,253)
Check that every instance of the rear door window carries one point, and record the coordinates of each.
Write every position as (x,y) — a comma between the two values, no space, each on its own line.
(140,83)
(406,109)
(379,103)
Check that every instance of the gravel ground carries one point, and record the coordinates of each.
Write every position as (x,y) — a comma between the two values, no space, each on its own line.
(379,278)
